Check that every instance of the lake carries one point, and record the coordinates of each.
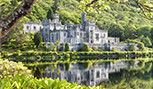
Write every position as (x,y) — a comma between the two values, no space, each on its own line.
(106,73)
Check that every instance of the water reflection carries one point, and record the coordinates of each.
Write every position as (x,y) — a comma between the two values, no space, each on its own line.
(87,73)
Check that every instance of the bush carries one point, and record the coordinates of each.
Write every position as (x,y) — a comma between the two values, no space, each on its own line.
(29,82)
(5,54)
(67,47)
(66,55)
(85,48)
(14,46)
(53,57)
(9,68)
(131,47)
(37,39)
(94,48)
(23,48)
(16,54)
(113,50)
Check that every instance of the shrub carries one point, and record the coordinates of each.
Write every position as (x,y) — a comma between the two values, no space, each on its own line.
(67,47)
(131,47)
(16,54)
(66,55)
(37,39)
(94,48)
(23,48)
(53,57)
(18,51)
(113,50)
(85,48)
(14,46)
(9,68)
(5,54)
(29,82)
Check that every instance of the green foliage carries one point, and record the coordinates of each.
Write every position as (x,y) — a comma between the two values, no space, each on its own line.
(67,66)
(37,39)
(147,42)
(66,55)
(85,48)
(16,54)
(5,54)
(14,2)
(11,69)
(131,47)
(58,45)
(94,48)
(140,45)
(67,47)
(52,46)
(113,49)
(23,81)
(50,14)
(151,34)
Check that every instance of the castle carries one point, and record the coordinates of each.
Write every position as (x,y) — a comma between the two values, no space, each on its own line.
(76,35)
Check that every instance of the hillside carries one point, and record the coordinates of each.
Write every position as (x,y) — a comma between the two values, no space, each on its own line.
(123,20)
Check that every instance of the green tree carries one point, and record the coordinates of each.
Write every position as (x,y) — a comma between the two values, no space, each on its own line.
(55,6)
(52,47)
(14,2)
(67,47)
(37,39)
(58,45)
(151,34)
(85,48)
(50,14)
(67,66)
(131,47)
(147,41)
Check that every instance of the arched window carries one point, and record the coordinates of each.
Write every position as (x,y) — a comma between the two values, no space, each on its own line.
(27,27)
(34,27)
(98,74)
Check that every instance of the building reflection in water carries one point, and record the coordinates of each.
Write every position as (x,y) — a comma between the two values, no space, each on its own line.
(91,75)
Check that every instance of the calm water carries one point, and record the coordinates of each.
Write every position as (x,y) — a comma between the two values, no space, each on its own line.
(88,74)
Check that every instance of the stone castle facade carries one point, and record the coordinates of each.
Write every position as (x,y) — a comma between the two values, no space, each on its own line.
(76,35)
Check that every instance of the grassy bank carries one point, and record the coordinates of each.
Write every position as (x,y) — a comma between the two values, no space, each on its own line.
(43,56)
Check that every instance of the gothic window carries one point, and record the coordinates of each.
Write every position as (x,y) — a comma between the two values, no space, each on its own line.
(40,28)
(34,27)
(97,37)
(46,29)
(74,34)
(57,36)
(65,34)
(98,74)
(27,27)
(104,35)
(81,34)
(84,34)
(92,75)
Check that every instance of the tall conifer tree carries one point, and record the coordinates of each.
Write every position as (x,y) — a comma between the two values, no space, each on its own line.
(50,14)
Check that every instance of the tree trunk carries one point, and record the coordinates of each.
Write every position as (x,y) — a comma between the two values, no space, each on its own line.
(10,21)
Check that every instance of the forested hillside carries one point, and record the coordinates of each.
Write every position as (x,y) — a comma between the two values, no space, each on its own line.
(124,20)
